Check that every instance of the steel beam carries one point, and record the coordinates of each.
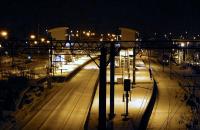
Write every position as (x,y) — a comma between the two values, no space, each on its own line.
(112,80)
(102,91)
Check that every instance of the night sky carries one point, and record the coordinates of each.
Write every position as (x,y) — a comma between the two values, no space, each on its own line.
(144,15)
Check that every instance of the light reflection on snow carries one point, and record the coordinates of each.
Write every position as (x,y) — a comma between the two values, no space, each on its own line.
(70,66)
(136,103)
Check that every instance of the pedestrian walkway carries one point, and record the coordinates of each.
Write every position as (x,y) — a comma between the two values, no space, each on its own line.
(170,111)
(65,69)
(140,96)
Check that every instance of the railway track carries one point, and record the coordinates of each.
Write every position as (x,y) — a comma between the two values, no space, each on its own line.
(170,104)
(60,111)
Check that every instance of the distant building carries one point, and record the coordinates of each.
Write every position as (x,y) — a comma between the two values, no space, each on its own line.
(186,55)
(59,59)
(125,57)
(128,35)
(58,33)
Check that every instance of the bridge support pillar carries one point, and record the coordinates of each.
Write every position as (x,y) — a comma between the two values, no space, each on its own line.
(102,91)
(112,80)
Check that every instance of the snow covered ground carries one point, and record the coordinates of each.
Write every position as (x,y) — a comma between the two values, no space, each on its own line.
(34,96)
(177,104)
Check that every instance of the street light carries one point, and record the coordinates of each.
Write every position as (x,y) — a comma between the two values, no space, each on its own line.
(32,36)
(4,34)
(88,34)
(35,42)
(165,35)
(42,39)
(182,44)
(48,41)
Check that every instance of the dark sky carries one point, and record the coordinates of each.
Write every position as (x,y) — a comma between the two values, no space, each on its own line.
(145,15)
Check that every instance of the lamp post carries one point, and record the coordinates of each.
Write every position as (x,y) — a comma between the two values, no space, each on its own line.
(32,38)
(183,50)
(187,51)
(3,36)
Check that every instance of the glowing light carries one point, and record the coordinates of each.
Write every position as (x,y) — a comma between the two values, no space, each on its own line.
(42,39)
(60,58)
(70,66)
(4,33)
(6,52)
(88,34)
(89,67)
(48,41)
(35,42)
(0,45)
(122,53)
(182,44)
(29,57)
(136,103)
(67,44)
(32,36)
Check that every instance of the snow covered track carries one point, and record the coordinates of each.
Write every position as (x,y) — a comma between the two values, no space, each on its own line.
(68,108)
